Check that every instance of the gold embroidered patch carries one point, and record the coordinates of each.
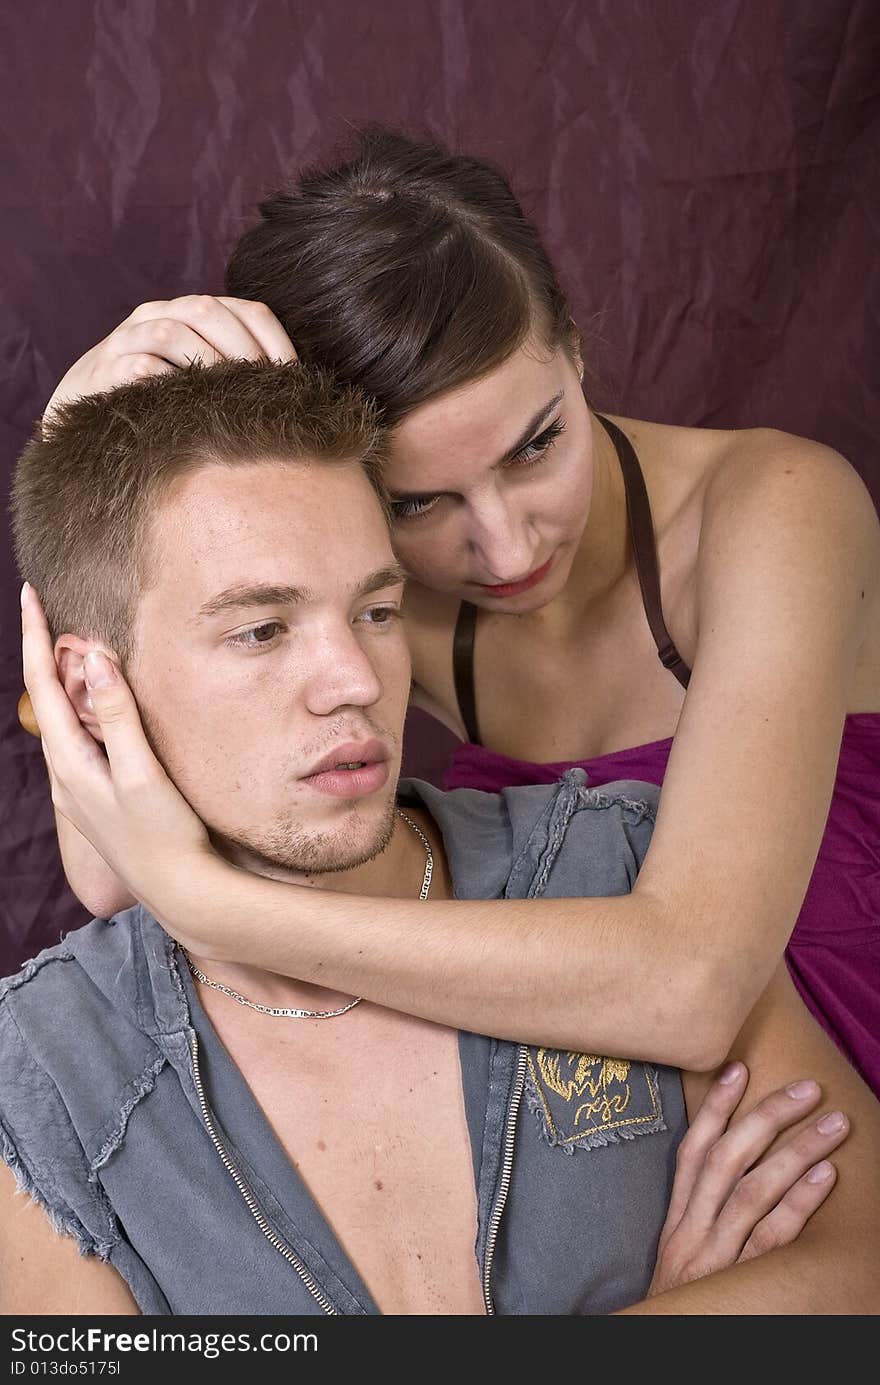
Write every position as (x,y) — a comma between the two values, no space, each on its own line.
(589,1099)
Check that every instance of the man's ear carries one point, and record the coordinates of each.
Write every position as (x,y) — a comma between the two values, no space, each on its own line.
(70,653)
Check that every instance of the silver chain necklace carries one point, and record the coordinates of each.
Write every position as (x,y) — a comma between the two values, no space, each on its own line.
(292,1014)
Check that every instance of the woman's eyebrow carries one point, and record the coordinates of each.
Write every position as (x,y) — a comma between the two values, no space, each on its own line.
(522,441)
(529,432)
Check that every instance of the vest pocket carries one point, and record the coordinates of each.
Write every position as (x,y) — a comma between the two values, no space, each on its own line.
(585,1101)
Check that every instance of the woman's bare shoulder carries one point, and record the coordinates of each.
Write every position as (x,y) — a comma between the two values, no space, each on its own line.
(718,467)
(756,459)
(801,498)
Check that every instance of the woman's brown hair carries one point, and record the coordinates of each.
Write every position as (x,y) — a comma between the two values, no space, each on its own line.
(406,270)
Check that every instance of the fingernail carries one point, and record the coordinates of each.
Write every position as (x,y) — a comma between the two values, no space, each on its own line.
(25,594)
(730,1074)
(820,1173)
(832,1123)
(799,1091)
(100,672)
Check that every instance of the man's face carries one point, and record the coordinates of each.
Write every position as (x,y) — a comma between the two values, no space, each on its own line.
(269,651)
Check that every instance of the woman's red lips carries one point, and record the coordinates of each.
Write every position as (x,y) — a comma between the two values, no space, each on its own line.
(514,588)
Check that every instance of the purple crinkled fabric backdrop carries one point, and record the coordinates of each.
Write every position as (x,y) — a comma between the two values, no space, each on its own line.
(707,177)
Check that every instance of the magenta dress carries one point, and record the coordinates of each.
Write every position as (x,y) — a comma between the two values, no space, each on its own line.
(834,952)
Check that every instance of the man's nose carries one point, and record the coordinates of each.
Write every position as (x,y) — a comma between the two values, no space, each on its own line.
(340,674)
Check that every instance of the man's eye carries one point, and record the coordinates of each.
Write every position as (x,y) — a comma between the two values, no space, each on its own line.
(413,508)
(258,637)
(535,450)
(381,615)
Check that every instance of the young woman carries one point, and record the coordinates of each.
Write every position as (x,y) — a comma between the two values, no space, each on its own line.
(555,553)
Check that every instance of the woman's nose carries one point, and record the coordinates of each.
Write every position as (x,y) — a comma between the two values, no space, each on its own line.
(502,542)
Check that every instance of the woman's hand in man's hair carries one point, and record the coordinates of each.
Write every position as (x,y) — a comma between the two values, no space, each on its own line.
(158,336)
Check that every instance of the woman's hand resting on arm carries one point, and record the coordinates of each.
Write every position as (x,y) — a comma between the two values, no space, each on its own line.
(734,1197)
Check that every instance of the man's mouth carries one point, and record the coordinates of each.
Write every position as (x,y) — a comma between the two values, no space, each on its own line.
(351,770)
(349,755)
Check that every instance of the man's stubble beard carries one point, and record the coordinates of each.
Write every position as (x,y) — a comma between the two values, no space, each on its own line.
(288,849)
(284,848)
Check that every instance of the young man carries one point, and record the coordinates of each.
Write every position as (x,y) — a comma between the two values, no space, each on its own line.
(218,1138)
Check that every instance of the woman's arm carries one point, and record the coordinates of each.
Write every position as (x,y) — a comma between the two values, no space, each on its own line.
(787,573)
(717,895)
(88,874)
(833,1266)
(787,600)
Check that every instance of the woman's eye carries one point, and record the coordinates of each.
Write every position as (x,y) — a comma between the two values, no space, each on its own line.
(535,450)
(413,508)
(258,637)
(417,506)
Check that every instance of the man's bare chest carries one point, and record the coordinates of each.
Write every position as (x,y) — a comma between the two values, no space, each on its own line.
(371,1116)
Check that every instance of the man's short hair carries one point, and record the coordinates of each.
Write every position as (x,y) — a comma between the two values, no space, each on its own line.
(89,484)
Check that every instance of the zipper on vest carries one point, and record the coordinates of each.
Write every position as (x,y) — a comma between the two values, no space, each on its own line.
(506,1169)
(252,1205)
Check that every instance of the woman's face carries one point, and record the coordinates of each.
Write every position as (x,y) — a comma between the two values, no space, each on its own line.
(491,483)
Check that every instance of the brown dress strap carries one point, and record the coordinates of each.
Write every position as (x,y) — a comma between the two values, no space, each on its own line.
(641,528)
(463,669)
